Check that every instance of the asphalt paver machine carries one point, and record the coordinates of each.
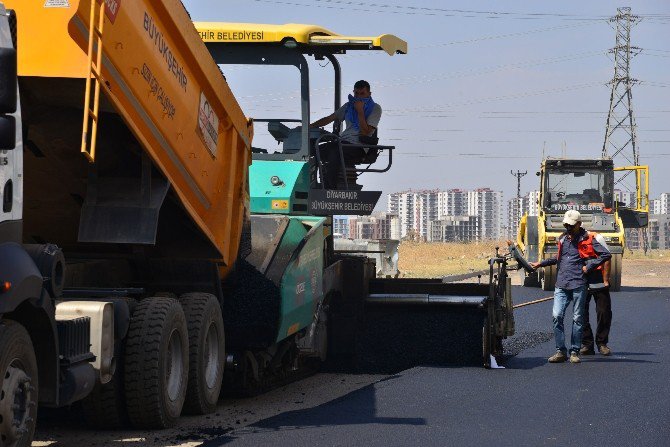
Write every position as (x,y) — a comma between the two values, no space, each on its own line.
(373,324)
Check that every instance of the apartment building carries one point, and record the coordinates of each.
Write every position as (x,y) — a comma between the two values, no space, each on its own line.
(515,210)
(341,227)
(517,207)
(661,205)
(487,205)
(416,209)
(363,227)
(628,198)
(659,231)
(453,202)
(454,229)
(532,203)
(376,226)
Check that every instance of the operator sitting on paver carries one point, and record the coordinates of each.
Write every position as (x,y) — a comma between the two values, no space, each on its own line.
(579,253)
(361,115)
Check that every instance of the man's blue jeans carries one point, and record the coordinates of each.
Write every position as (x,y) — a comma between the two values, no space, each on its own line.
(562,299)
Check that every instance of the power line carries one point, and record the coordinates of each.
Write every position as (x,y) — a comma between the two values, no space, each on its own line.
(434,12)
(451,11)
(421,79)
(521,95)
(385,8)
(279,109)
(447,106)
(534,112)
(482,38)
(492,156)
(474,156)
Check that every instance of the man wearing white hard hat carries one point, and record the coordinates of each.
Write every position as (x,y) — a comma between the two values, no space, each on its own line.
(579,253)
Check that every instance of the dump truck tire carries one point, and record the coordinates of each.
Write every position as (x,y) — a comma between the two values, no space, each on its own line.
(156,363)
(206,352)
(18,382)
(105,407)
(548,279)
(615,272)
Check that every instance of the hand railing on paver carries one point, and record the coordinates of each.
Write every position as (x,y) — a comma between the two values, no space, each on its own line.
(341,146)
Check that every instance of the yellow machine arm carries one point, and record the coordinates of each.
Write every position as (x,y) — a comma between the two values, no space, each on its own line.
(642,186)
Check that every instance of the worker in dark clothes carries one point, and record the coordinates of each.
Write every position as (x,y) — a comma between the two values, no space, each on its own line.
(578,254)
(361,116)
(599,289)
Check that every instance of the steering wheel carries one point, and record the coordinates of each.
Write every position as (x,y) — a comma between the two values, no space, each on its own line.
(516,253)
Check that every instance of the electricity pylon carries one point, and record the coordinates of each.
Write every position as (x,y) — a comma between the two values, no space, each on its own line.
(621,130)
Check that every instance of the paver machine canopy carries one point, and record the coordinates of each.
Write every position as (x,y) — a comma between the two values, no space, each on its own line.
(293,45)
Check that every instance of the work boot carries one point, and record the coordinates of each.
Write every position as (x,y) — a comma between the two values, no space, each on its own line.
(604,350)
(574,358)
(559,357)
(586,351)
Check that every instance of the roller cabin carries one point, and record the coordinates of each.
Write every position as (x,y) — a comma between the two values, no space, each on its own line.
(585,185)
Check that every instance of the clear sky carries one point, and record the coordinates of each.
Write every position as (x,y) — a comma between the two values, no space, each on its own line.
(485,86)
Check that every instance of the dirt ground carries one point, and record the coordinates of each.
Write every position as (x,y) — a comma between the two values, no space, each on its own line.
(646,272)
(435,260)
(636,273)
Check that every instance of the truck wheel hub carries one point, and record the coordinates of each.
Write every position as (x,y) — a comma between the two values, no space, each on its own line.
(175,371)
(15,403)
(211,356)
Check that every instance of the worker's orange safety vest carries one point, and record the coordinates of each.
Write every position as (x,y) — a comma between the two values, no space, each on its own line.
(584,246)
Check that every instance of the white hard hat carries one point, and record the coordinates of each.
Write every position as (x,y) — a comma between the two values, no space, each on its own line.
(571,217)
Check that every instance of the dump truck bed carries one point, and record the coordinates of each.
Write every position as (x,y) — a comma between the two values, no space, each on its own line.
(174,106)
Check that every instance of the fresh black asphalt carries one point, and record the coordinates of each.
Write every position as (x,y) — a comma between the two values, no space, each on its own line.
(622,400)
